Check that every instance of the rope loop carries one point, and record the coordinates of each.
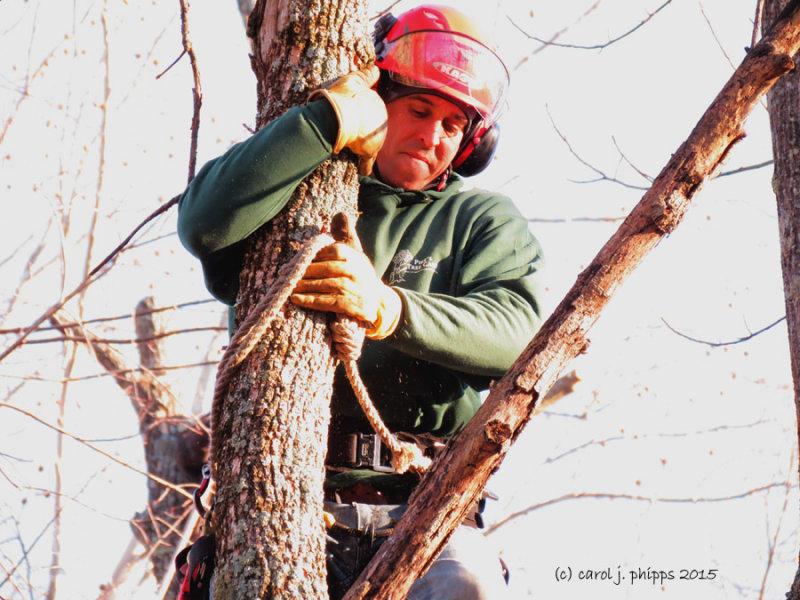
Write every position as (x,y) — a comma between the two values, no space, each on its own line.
(348,335)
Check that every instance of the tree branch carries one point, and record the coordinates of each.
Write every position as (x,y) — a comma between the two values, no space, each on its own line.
(598,46)
(719,344)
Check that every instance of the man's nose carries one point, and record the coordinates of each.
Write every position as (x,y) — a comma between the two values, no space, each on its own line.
(431,133)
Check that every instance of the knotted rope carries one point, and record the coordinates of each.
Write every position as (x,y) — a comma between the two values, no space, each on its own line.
(349,335)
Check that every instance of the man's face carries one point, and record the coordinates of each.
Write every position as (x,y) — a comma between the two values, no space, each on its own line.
(422,138)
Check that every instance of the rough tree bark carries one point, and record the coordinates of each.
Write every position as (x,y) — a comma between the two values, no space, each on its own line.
(783,102)
(443,497)
(272,432)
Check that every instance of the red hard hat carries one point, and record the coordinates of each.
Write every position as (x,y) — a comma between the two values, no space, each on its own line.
(441,48)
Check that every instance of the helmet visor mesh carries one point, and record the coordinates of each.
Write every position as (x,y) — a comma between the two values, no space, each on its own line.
(453,64)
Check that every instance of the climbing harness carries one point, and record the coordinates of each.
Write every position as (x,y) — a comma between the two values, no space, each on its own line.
(197,497)
(195,563)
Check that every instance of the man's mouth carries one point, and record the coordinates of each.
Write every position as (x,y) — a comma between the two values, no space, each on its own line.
(418,157)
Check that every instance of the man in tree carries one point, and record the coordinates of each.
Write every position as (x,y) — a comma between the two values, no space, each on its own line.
(446,282)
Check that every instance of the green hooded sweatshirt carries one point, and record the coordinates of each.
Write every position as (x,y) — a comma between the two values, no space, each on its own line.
(463,262)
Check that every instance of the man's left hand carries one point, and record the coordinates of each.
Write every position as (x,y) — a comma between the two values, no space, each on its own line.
(342,279)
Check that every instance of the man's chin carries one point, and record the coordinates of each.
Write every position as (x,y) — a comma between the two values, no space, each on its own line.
(410,179)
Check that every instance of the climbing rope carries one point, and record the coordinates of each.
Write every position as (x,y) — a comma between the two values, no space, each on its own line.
(350,338)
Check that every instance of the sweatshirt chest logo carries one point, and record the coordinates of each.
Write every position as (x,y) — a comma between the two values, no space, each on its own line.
(404,263)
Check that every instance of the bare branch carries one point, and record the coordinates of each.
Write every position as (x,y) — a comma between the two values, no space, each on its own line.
(601,174)
(719,344)
(117,374)
(608,496)
(760,165)
(553,37)
(598,46)
(385,10)
(95,274)
(197,94)
(564,386)
(773,543)
(159,336)
(160,210)
(19,330)
(622,155)
(154,478)
(714,35)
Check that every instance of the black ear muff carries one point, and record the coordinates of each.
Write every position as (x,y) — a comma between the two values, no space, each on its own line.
(481,154)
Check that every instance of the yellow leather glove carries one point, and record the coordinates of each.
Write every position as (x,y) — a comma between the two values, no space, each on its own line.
(342,279)
(361,114)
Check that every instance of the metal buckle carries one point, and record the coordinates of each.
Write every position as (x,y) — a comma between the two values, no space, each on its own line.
(365,445)
(369,453)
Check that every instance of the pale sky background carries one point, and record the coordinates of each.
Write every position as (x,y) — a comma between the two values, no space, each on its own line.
(657,420)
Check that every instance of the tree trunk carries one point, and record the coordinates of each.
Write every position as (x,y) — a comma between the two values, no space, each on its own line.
(273,426)
(783,101)
(443,497)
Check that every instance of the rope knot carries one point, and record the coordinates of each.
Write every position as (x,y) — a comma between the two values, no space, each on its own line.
(348,338)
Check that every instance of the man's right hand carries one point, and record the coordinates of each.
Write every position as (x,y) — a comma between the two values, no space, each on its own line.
(361,114)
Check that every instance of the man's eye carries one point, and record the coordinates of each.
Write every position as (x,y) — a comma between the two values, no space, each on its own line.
(453,128)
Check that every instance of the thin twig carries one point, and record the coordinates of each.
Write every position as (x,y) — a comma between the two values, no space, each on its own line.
(172,64)
(150,476)
(83,339)
(714,35)
(197,94)
(760,165)
(385,10)
(553,37)
(576,220)
(93,275)
(609,496)
(19,330)
(117,374)
(773,544)
(598,46)
(719,344)
(622,155)
(161,209)
(602,175)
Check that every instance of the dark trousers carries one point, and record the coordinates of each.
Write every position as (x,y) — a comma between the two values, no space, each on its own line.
(466,569)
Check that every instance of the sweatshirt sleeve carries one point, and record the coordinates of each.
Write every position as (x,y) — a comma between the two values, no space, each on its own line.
(496,308)
(235,194)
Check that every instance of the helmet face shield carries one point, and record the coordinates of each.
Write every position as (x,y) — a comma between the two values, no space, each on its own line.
(455,65)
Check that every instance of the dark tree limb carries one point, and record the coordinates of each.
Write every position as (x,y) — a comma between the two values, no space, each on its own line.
(442,499)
